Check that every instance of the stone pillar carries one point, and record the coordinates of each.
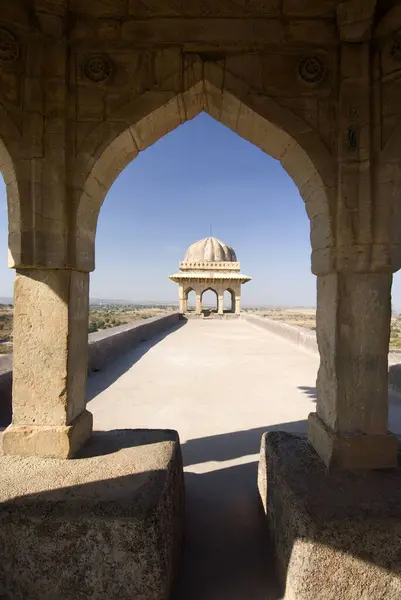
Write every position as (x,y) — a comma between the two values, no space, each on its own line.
(237,304)
(220,304)
(182,300)
(350,426)
(50,364)
(198,306)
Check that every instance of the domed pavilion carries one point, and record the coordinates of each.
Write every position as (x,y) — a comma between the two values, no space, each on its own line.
(210,265)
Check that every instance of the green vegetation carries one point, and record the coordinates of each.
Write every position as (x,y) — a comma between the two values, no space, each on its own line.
(6,328)
(105,316)
(395,333)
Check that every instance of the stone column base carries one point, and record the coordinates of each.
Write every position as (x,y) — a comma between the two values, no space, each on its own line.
(336,534)
(108,525)
(48,441)
(352,451)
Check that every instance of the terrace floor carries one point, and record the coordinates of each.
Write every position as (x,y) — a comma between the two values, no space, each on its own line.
(220,384)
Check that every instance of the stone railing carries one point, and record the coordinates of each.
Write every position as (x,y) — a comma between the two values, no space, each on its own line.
(306,339)
(102,346)
(301,336)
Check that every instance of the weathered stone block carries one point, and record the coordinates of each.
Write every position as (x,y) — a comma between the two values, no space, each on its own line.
(51,441)
(337,534)
(352,451)
(106,525)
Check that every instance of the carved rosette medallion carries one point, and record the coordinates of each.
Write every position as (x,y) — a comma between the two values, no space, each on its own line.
(311,69)
(395,48)
(98,68)
(9,46)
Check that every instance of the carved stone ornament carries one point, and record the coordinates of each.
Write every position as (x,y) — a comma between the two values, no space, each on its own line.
(98,68)
(395,49)
(9,46)
(352,137)
(311,69)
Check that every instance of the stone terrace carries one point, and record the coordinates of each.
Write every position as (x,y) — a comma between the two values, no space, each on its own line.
(221,384)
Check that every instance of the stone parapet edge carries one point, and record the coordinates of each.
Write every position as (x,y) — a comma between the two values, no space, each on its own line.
(306,339)
(102,346)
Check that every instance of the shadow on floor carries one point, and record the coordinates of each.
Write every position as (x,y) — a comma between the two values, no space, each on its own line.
(220,447)
(227,550)
(117,366)
(309,391)
(236,444)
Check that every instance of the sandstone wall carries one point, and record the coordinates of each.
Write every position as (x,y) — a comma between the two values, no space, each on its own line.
(299,335)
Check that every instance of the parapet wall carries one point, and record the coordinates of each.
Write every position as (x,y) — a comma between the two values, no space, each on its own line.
(298,335)
(102,346)
(306,339)
(107,343)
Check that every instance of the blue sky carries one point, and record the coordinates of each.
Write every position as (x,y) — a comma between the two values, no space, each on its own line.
(200,174)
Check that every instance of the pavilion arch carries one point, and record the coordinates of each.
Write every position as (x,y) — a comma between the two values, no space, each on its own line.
(187,291)
(209,289)
(259,119)
(232,299)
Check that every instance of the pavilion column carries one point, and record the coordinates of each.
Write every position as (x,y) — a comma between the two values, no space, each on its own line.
(182,300)
(198,305)
(237,302)
(50,364)
(220,304)
(350,426)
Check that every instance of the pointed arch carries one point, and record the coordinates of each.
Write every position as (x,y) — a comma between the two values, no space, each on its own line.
(231,293)
(259,119)
(209,289)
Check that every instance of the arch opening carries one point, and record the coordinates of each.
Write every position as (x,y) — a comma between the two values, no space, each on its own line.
(274,129)
(209,301)
(229,301)
(190,300)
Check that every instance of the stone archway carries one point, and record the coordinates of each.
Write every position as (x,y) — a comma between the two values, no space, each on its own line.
(206,310)
(231,295)
(270,126)
(326,159)
(188,304)
(211,87)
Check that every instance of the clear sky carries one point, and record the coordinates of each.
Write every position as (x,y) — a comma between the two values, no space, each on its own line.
(199,175)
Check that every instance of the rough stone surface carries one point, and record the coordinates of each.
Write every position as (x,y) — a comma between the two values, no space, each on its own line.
(337,535)
(352,450)
(51,441)
(106,525)
(353,330)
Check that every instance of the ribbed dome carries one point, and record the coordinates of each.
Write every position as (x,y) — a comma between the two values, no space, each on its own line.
(210,249)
